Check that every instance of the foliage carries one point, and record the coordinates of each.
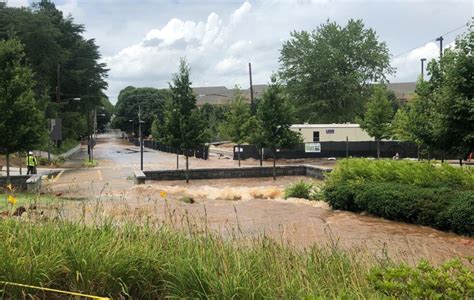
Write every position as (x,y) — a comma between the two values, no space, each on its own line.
(441,116)
(215,115)
(328,71)
(275,114)
(53,42)
(22,125)
(237,125)
(438,196)
(151,101)
(440,208)
(451,280)
(187,199)
(303,190)
(184,126)
(378,116)
(146,262)
(407,172)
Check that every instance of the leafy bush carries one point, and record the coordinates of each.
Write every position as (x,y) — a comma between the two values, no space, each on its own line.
(341,196)
(407,172)
(460,213)
(187,199)
(441,208)
(301,189)
(449,281)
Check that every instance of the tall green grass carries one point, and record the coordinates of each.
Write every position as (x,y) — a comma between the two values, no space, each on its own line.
(151,262)
(421,174)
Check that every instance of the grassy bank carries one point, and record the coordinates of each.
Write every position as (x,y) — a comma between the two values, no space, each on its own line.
(440,196)
(146,262)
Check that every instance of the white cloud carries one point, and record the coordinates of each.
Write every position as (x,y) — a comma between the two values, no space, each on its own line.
(240,13)
(219,38)
(408,66)
(70,7)
(17,3)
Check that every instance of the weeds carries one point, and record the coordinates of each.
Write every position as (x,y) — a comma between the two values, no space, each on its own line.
(303,190)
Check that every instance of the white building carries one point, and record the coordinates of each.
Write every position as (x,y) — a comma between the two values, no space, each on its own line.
(331,133)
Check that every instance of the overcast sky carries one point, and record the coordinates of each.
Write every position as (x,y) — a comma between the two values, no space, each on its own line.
(142,40)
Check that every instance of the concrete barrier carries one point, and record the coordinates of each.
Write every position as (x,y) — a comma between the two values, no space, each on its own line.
(223,173)
(18,181)
(140,177)
(33,184)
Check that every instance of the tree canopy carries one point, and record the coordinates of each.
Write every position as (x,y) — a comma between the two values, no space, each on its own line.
(151,101)
(275,115)
(60,56)
(441,116)
(22,126)
(328,71)
(378,116)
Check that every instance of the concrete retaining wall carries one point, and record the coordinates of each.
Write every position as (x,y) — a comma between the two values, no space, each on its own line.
(18,181)
(243,172)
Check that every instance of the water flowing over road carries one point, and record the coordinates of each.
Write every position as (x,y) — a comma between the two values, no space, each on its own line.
(250,207)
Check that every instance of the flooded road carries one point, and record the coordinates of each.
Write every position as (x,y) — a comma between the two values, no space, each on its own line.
(255,207)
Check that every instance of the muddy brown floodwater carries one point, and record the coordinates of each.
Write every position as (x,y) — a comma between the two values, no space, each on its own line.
(253,207)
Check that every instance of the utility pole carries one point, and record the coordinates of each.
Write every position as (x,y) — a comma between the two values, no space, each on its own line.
(252,104)
(440,40)
(422,67)
(141,136)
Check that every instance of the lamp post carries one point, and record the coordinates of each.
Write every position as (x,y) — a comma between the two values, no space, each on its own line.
(141,136)
(422,67)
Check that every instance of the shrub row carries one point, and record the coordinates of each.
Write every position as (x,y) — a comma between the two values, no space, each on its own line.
(421,174)
(438,207)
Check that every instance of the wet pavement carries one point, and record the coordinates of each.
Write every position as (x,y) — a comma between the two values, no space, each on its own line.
(248,207)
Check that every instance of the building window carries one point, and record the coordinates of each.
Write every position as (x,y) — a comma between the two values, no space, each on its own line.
(329,131)
(315,136)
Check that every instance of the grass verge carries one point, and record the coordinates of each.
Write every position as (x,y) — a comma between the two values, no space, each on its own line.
(155,262)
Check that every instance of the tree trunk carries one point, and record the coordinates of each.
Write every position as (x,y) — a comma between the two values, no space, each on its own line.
(418,153)
(274,164)
(177,161)
(460,161)
(378,149)
(261,156)
(187,170)
(8,167)
(238,153)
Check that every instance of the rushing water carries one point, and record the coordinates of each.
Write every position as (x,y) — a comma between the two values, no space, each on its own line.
(253,207)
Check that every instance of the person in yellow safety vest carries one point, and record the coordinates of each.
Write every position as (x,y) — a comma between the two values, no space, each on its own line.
(31,163)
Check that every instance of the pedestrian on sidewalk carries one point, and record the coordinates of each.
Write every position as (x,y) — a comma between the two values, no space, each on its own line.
(31,163)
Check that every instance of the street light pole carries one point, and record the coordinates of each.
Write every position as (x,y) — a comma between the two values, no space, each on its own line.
(440,40)
(422,67)
(141,136)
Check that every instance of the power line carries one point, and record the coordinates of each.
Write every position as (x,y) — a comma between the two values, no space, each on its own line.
(449,32)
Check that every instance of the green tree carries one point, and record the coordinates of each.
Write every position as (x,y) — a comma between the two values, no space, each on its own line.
(151,101)
(184,126)
(328,72)
(65,64)
(215,115)
(453,91)
(22,126)
(238,123)
(275,115)
(378,116)
(440,117)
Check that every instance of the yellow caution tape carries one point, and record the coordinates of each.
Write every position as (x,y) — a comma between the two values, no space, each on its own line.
(54,290)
